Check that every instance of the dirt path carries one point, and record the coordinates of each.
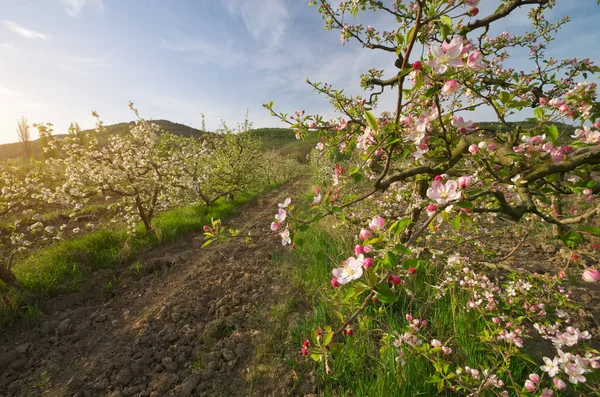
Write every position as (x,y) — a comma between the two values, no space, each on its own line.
(185,326)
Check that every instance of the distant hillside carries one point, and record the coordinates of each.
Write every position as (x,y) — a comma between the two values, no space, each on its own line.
(14,150)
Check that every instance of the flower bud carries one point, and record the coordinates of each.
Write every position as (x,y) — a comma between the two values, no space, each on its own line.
(450,87)
(368,263)
(559,384)
(335,283)
(358,249)
(473,11)
(412,270)
(529,385)
(206,228)
(377,223)
(349,332)
(431,207)
(591,276)
(535,378)
(364,234)
(418,65)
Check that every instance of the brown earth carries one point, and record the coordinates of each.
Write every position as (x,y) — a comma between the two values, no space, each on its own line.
(187,324)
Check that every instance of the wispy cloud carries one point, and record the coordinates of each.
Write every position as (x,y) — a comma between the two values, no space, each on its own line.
(202,51)
(264,19)
(24,32)
(9,92)
(8,46)
(74,7)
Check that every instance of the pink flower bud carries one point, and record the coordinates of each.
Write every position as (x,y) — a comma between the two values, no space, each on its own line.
(396,280)
(529,385)
(446,350)
(437,178)
(304,351)
(591,276)
(368,263)
(450,87)
(596,247)
(349,332)
(464,182)
(431,207)
(275,226)
(559,384)
(418,65)
(412,270)
(358,249)
(368,248)
(377,223)
(408,317)
(206,228)
(435,343)
(535,378)
(587,192)
(543,101)
(473,149)
(597,124)
(491,147)
(474,11)
(364,234)
(335,283)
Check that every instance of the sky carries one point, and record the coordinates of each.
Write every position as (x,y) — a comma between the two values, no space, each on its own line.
(179,59)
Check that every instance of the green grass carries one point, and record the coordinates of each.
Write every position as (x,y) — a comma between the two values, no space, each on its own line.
(66,265)
(369,365)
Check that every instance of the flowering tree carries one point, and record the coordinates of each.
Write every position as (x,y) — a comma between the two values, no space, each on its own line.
(447,170)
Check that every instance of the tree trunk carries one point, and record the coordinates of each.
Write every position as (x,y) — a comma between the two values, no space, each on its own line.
(8,277)
(421,190)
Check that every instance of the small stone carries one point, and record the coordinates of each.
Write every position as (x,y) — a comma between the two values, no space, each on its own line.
(124,376)
(228,355)
(100,319)
(23,348)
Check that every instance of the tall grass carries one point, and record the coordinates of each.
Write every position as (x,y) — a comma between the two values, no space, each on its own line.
(370,365)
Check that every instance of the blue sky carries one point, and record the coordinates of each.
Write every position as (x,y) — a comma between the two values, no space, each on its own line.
(176,59)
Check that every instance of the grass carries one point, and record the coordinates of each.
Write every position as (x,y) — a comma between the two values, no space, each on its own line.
(369,365)
(65,266)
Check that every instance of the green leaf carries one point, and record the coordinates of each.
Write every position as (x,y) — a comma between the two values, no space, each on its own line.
(399,226)
(413,262)
(456,223)
(206,243)
(390,260)
(464,204)
(539,113)
(590,229)
(316,356)
(552,133)
(402,249)
(327,337)
(572,239)
(447,21)
(336,349)
(371,121)
(385,294)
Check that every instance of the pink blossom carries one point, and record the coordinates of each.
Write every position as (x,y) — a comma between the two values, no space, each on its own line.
(352,269)
(320,146)
(472,3)
(446,350)
(445,57)
(275,226)
(364,234)
(559,384)
(547,393)
(464,182)
(475,61)
(436,343)
(491,147)
(285,237)
(285,203)
(450,87)
(461,125)
(280,217)
(473,149)
(442,193)
(551,366)
(591,276)
(377,223)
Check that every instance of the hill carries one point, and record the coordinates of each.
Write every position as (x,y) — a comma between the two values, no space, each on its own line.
(14,150)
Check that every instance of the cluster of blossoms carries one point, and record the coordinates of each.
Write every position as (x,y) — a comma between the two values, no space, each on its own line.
(280,222)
